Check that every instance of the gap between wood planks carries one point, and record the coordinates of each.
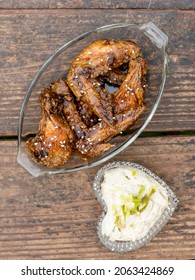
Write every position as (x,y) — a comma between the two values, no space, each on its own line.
(60,10)
(142,135)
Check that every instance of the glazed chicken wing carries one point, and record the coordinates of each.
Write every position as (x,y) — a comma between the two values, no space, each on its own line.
(52,144)
(128,104)
(98,59)
(78,112)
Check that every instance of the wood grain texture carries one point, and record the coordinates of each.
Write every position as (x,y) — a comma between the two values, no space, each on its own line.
(86,4)
(29,37)
(55,217)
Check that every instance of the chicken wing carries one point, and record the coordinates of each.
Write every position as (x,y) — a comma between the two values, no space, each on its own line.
(128,105)
(98,59)
(52,144)
(78,112)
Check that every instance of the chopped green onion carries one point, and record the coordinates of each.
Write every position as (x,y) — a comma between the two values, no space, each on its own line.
(145,200)
(113,207)
(126,198)
(141,190)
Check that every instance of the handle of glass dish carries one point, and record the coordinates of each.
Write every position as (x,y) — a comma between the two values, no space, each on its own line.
(157,36)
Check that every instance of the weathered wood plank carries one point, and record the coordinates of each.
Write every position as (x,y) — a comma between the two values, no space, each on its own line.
(29,37)
(55,217)
(85,4)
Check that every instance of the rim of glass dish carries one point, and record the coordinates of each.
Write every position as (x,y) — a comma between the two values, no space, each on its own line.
(134,134)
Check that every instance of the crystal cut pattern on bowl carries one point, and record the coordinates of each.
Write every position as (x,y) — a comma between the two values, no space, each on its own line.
(126,246)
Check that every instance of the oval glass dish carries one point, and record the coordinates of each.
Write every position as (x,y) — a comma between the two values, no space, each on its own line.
(152,42)
(136,228)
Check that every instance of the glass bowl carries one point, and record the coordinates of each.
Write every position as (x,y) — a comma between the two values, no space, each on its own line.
(155,226)
(153,44)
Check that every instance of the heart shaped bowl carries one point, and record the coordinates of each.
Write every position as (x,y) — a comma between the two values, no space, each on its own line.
(153,44)
(147,222)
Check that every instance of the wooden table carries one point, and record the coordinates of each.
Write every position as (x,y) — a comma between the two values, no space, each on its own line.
(55,217)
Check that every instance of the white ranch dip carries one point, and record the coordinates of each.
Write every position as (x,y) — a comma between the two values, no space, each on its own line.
(135,201)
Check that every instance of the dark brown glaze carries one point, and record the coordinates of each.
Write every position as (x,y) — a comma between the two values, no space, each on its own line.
(80,114)
(130,95)
(106,100)
(52,144)
(128,104)
(114,77)
(87,115)
(102,132)
(98,59)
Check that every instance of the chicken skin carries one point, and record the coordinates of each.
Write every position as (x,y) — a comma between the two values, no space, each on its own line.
(79,114)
